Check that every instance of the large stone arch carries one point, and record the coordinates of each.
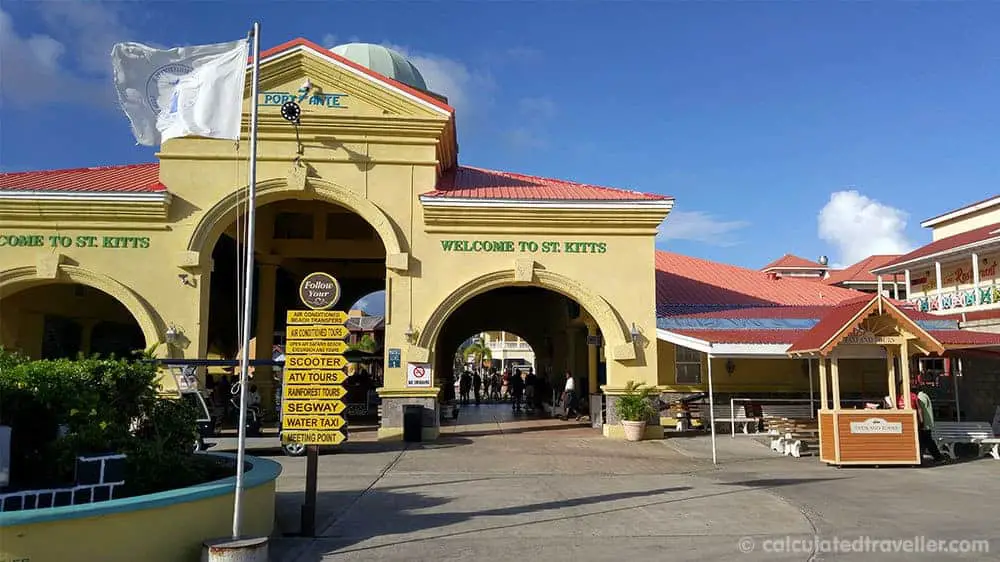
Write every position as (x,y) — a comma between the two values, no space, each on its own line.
(214,222)
(618,340)
(18,279)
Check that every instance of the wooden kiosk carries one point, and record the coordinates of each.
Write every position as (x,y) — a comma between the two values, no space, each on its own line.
(855,436)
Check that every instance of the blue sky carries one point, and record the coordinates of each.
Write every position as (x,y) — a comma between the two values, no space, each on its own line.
(811,128)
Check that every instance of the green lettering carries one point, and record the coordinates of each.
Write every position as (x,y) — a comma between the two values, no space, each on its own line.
(602,247)
(144,242)
(447,245)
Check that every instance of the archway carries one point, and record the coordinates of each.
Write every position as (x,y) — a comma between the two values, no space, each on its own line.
(14,282)
(296,235)
(64,320)
(562,335)
(616,338)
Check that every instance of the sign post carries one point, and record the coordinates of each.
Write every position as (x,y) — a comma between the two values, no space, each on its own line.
(312,405)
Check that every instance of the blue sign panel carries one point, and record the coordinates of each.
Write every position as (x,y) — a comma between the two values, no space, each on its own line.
(394,357)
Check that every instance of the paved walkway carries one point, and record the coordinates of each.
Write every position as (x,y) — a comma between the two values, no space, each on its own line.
(551,490)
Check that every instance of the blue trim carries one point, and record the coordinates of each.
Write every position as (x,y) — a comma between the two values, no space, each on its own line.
(942,324)
(735,323)
(261,472)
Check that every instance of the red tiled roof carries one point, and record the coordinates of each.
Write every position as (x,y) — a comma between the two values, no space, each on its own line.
(830,324)
(477,183)
(972,316)
(135,178)
(860,272)
(990,232)
(783,312)
(789,261)
(689,283)
(971,338)
(743,336)
(302,42)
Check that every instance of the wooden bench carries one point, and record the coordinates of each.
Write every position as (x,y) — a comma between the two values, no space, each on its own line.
(794,437)
(791,411)
(948,434)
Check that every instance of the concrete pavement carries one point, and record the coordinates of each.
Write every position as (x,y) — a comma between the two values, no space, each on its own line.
(553,491)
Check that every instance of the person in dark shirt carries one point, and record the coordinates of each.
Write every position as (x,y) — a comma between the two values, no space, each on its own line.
(516,390)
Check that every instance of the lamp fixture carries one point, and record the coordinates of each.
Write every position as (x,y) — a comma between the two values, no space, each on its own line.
(730,367)
(409,334)
(635,331)
(172,335)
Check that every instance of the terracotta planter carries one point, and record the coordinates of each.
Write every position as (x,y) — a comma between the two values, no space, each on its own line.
(634,430)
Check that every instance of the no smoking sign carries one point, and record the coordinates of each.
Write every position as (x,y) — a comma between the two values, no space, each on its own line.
(418,375)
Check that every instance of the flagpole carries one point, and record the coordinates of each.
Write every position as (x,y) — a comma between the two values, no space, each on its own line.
(247,288)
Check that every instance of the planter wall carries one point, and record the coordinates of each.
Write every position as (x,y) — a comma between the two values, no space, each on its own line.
(166,526)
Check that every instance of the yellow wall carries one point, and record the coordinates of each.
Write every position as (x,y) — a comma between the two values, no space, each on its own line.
(868,376)
(376,157)
(966,223)
(165,534)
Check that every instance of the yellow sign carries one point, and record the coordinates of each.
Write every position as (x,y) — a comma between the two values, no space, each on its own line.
(314,376)
(314,362)
(316,332)
(312,407)
(314,437)
(299,391)
(315,346)
(313,423)
(316,317)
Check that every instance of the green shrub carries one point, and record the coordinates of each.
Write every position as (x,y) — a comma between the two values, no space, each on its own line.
(634,404)
(61,409)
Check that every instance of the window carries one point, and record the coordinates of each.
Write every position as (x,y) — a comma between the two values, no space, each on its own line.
(293,226)
(688,366)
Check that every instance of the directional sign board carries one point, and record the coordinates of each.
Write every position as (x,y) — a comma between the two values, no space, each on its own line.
(325,347)
(310,332)
(312,393)
(328,317)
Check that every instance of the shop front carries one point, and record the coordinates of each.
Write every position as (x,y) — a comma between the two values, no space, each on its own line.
(369,190)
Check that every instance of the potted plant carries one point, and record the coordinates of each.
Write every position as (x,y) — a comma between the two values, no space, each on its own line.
(634,408)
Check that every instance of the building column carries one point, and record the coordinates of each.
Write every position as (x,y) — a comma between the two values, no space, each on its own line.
(823,396)
(975,277)
(891,367)
(895,286)
(880,286)
(906,279)
(591,359)
(87,336)
(904,366)
(835,377)
(939,289)
(264,332)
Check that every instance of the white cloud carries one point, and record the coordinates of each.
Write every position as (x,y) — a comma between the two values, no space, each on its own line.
(529,133)
(699,226)
(71,55)
(858,227)
(467,91)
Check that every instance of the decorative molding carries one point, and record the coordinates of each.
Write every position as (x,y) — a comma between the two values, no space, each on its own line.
(418,354)
(188,260)
(81,206)
(524,270)
(216,219)
(47,266)
(399,262)
(614,331)
(15,280)
(541,217)
(296,177)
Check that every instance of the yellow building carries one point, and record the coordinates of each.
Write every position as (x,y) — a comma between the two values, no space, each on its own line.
(368,188)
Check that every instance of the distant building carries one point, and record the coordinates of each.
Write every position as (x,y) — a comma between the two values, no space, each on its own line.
(361,325)
(790,265)
(860,277)
(508,350)
(956,274)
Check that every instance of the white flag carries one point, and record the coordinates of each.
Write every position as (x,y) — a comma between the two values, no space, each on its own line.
(185,91)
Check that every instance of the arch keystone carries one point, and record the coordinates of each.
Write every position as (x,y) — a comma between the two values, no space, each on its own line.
(47,266)
(524,270)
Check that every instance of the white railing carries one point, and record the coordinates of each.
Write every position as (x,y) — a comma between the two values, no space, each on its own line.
(812,402)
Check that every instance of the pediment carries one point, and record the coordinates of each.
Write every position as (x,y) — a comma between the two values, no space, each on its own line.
(338,90)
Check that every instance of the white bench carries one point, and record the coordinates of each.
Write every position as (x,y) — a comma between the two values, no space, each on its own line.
(948,434)
(794,411)
(794,436)
(724,414)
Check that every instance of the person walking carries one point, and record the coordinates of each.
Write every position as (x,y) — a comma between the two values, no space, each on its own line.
(925,415)
(569,398)
(477,385)
(530,390)
(516,390)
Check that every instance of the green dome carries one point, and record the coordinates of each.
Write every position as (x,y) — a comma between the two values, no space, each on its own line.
(383,60)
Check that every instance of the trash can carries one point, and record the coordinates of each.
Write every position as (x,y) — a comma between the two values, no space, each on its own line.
(413,423)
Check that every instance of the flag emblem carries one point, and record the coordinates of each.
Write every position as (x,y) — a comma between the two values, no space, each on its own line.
(162,81)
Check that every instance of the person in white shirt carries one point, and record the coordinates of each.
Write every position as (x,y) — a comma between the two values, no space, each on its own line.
(569,397)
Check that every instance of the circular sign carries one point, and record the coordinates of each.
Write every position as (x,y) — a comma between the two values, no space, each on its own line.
(418,372)
(319,291)
(291,111)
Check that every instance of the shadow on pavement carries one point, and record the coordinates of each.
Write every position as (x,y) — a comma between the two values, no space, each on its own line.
(390,512)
